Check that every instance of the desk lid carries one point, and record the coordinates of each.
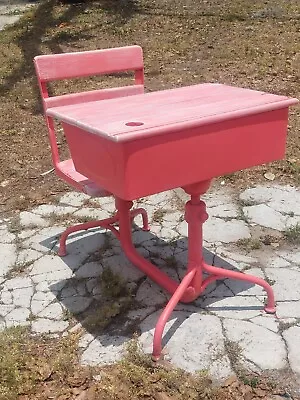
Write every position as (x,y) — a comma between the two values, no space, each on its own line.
(162,112)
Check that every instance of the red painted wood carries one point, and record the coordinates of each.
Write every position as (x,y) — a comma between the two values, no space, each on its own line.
(188,135)
(87,63)
(71,65)
(168,111)
(94,95)
(139,168)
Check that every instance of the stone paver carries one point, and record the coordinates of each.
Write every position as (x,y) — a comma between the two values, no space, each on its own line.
(264,215)
(89,270)
(292,337)
(43,325)
(29,220)
(40,289)
(74,199)
(18,316)
(262,347)
(104,350)
(285,283)
(288,309)
(149,290)
(53,311)
(51,210)
(77,304)
(8,257)
(6,236)
(218,230)
(195,343)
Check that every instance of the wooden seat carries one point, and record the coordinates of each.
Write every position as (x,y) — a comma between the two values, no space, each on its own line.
(67,171)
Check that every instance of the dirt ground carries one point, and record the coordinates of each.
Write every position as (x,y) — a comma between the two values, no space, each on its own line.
(44,368)
(251,44)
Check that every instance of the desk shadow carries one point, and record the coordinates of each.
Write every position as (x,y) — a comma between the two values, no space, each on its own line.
(111,298)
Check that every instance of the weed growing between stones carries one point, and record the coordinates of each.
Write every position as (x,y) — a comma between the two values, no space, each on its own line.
(17,269)
(292,234)
(170,262)
(14,225)
(65,219)
(249,244)
(158,216)
(116,300)
(112,284)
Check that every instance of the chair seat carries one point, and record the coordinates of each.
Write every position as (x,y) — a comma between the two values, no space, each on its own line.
(67,171)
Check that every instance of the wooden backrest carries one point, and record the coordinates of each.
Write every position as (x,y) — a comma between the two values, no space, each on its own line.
(87,63)
(55,67)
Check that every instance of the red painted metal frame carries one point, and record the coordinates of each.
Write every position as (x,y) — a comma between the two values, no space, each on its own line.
(104,223)
(193,283)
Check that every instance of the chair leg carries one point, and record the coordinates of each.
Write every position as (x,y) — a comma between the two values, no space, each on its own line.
(82,227)
(105,223)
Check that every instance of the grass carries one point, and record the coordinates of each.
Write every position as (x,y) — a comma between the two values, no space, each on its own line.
(250,381)
(146,379)
(116,301)
(170,262)
(35,367)
(12,359)
(292,234)
(17,269)
(249,244)
(101,317)
(158,216)
(112,284)
(27,362)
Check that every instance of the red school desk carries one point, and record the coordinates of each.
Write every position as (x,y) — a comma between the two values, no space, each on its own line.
(144,144)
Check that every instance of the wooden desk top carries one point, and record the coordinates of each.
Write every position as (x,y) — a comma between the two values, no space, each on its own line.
(139,116)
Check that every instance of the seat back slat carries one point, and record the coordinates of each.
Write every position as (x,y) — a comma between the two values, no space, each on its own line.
(88,63)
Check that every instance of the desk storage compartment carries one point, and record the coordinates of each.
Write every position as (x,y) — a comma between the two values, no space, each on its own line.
(137,168)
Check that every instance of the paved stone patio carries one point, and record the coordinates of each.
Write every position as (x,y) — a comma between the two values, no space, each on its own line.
(224,329)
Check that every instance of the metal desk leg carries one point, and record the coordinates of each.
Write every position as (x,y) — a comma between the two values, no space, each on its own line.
(193,284)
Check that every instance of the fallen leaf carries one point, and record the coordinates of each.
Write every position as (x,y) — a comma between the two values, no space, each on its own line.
(229,381)
(4,183)
(270,176)
(259,392)
(78,379)
(163,396)
(83,395)
(275,245)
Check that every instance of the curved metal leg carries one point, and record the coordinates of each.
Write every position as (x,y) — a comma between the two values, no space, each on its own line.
(105,223)
(143,213)
(223,273)
(163,319)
